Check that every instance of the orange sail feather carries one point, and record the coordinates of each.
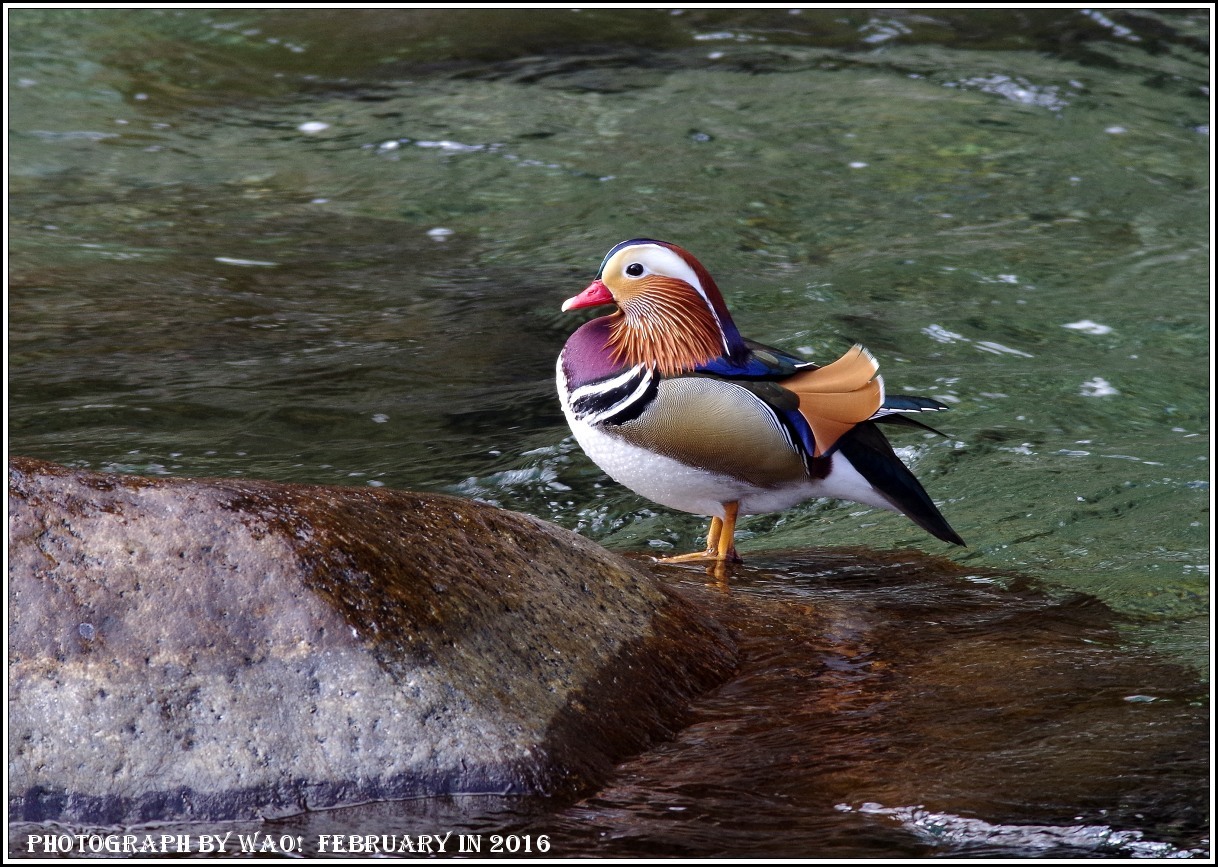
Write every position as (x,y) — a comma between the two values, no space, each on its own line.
(836,397)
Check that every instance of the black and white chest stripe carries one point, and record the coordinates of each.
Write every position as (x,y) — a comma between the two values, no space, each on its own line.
(615,400)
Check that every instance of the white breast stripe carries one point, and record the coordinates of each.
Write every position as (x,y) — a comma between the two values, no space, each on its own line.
(591,392)
(605,385)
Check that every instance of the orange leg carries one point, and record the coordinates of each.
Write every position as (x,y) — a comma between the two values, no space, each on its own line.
(719,544)
(726,550)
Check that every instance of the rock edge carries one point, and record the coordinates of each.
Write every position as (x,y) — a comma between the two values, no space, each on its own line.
(228,649)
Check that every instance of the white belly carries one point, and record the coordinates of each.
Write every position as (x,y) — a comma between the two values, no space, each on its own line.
(659,478)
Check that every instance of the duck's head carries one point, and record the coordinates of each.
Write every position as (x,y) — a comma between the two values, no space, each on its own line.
(670,314)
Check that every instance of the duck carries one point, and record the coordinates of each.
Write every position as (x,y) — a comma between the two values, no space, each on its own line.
(669,400)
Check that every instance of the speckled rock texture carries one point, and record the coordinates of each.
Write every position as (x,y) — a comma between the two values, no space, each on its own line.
(208,649)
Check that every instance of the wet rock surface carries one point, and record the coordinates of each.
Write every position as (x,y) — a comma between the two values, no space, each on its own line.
(211,649)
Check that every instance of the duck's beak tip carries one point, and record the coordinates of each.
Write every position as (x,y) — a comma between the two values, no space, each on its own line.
(595,295)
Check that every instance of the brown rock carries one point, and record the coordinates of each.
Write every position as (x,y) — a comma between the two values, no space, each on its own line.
(212,649)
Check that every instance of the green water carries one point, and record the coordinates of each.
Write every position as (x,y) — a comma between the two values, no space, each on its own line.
(330,247)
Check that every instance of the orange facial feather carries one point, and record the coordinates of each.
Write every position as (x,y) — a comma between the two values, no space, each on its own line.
(665,324)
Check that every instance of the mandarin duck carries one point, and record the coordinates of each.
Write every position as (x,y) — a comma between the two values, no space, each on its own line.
(668,398)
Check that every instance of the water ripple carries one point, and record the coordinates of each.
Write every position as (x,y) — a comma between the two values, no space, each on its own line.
(947,829)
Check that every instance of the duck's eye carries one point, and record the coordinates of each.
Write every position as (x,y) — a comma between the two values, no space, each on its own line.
(634,269)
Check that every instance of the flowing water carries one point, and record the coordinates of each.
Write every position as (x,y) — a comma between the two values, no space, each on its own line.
(330,247)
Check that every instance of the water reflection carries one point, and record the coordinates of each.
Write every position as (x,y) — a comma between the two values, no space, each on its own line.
(872,686)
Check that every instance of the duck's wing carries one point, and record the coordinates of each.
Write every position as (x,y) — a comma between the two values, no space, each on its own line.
(870,453)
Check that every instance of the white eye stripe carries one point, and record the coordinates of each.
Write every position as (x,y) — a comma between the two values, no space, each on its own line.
(660,260)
